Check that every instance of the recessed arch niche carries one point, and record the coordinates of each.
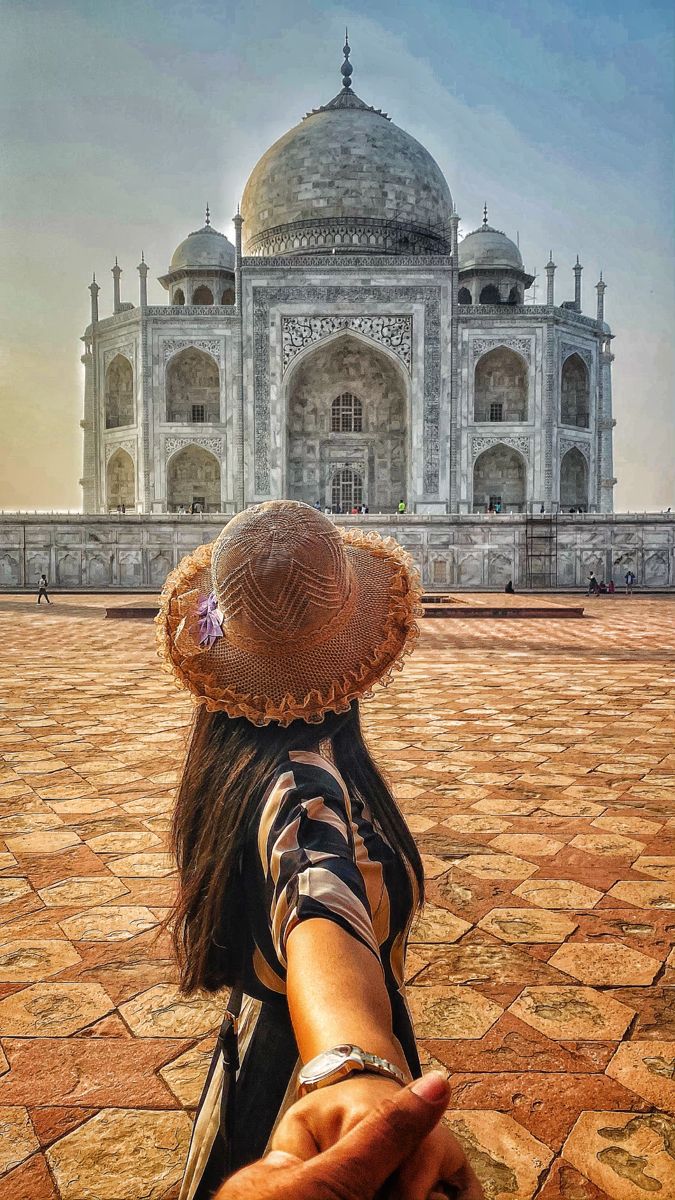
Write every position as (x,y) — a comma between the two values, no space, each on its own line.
(119,393)
(192,387)
(500,386)
(499,480)
(120,480)
(377,445)
(574,480)
(193,477)
(574,392)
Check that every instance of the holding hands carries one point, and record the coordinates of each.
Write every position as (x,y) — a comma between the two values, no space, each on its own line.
(347,1141)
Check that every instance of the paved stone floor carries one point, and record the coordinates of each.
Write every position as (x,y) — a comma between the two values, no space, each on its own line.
(535,761)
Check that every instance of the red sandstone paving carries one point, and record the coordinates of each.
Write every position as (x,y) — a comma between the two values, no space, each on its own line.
(539,728)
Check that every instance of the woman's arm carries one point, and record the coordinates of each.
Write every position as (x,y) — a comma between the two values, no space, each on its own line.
(337,994)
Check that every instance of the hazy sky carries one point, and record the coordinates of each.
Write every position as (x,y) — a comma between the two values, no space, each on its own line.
(121,118)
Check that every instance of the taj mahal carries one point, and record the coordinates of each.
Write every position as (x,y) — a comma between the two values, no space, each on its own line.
(348,351)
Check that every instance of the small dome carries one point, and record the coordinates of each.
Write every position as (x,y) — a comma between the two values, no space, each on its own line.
(488,247)
(205,248)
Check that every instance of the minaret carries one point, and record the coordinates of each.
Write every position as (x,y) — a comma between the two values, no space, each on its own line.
(143,281)
(577,284)
(600,289)
(116,272)
(550,280)
(452,450)
(239,423)
(94,290)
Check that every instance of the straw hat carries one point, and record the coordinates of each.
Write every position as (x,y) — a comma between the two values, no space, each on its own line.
(286,616)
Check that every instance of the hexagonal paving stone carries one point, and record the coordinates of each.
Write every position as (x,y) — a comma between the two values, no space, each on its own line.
(186,1074)
(121,1154)
(17,1137)
(44,842)
(533,845)
(11,888)
(605,964)
(648,1069)
(608,845)
(506,806)
(476,823)
(445,1011)
(628,1155)
(434,866)
(52,1009)
(558,893)
(571,1013)
(26,959)
(627,825)
(92,890)
(644,895)
(497,866)
(29,822)
(163,1012)
(115,923)
(122,842)
(527,925)
(658,866)
(142,866)
(436,924)
(567,806)
(506,1158)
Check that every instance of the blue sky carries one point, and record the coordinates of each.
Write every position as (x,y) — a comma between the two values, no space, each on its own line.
(122,119)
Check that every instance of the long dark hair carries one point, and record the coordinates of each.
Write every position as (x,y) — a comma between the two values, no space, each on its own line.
(228,764)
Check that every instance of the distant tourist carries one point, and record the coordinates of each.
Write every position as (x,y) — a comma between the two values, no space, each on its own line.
(593,585)
(629,579)
(610,587)
(42,589)
(317,505)
(401,507)
(602,587)
(542,509)
(498,506)
(509,589)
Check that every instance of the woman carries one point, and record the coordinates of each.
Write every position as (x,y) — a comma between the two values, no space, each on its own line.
(298,877)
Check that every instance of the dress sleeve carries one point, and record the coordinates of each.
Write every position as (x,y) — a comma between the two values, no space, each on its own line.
(306,847)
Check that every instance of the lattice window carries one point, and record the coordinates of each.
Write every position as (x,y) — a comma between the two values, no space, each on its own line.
(198,413)
(347,414)
(347,490)
(496,411)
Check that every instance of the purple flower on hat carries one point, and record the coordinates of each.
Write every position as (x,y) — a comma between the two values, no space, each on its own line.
(210,620)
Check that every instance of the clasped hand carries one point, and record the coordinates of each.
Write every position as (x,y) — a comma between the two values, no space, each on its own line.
(347,1141)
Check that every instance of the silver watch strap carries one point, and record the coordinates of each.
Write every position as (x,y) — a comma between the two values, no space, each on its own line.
(380,1066)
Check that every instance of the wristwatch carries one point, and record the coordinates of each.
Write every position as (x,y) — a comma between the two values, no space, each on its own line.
(338,1063)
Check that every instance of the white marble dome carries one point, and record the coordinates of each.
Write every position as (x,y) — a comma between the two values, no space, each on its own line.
(488,247)
(346,179)
(205,248)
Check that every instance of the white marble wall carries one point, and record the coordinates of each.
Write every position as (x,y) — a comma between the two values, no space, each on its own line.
(134,553)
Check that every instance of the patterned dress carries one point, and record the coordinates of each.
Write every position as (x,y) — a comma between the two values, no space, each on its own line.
(311,851)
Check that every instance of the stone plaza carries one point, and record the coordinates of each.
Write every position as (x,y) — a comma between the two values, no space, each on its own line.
(535,765)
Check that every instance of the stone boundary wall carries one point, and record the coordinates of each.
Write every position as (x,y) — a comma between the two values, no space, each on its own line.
(473,552)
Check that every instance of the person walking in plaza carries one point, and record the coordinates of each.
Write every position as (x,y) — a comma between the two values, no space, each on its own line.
(43,589)
(629,579)
(298,877)
(593,585)
(401,507)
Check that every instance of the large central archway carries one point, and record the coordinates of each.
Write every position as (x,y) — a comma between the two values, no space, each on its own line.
(193,478)
(346,409)
(499,480)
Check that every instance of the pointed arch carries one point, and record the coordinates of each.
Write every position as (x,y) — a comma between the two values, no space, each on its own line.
(574,480)
(120,479)
(119,392)
(500,480)
(575,392)
(202,295)
(501,386)
(464,296)
(193,477)
(490,295)
(192,387)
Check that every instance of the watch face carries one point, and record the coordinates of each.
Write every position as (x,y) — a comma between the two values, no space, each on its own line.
(324,1064)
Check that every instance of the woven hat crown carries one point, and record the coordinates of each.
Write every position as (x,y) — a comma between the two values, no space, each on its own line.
(282,578)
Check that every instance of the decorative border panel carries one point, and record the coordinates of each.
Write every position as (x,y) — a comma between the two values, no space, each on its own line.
(575,444)
(129,444)
(212,346)
(394,333)
(521,346)
(172,444)
(126,349)
(569,348)
(521,444)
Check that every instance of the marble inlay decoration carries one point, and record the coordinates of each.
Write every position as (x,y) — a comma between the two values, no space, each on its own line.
(521,346)
(129,444)
(171,346)
(479,444)
(394,333)
(172,444)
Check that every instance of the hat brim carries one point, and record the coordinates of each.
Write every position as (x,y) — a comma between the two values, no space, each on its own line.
(288,686)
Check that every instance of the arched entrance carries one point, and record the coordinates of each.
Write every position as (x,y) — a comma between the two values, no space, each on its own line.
(500,387)
(120,486)
(574,392)
(193,478)
(192,387)
(119,393)
(574,481)
(346,490)
(346,411)
(499,480)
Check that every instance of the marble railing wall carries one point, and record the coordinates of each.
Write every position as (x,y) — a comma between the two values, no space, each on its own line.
(134,553)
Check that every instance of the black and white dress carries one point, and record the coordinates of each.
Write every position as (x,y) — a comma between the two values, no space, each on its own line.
(311,851)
